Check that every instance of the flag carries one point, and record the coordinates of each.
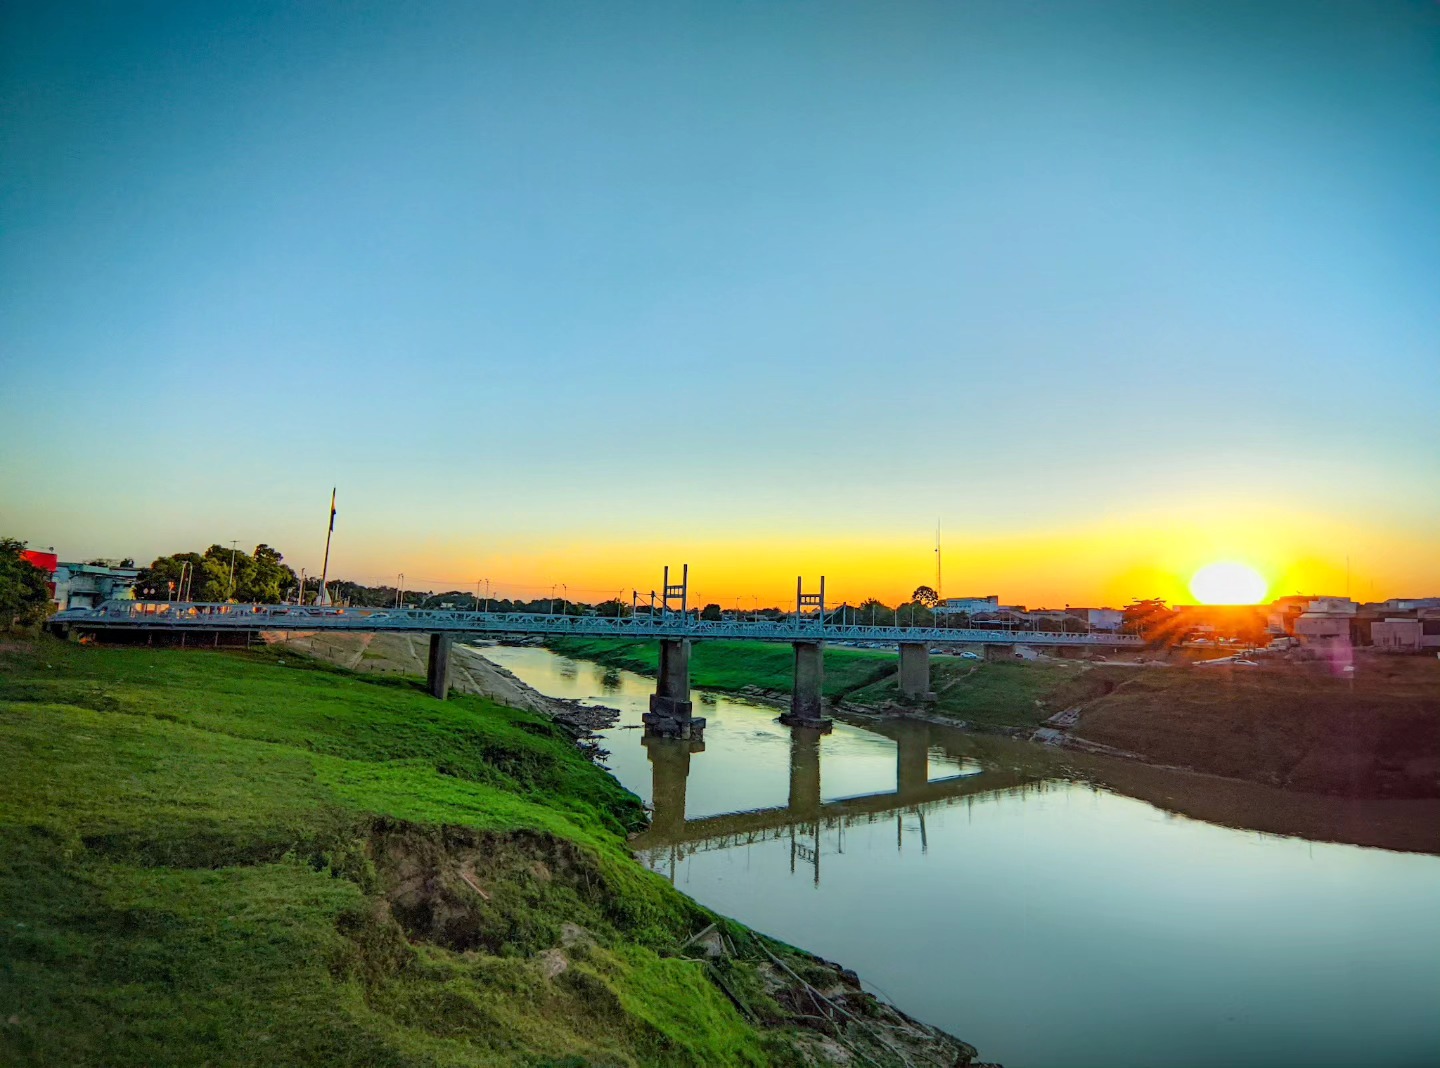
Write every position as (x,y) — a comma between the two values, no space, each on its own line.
(332,508)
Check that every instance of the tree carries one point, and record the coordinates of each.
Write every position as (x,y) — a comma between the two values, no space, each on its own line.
(1153,620)
(24,588)
(926,596)
(871,611)
(260,577)
(711,612)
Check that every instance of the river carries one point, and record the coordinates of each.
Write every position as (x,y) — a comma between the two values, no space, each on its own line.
(983,886)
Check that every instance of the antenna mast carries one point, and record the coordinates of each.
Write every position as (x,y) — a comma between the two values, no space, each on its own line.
(939,584)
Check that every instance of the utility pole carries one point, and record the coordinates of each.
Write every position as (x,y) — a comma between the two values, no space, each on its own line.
(939,584)
(235,541)
(324,596)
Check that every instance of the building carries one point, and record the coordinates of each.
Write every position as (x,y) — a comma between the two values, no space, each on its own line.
(1327,623)
(1408,604)
(1419,634)
(87,585)
(969,606)
(1106,619)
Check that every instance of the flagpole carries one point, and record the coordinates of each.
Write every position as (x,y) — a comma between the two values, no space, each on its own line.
(324,597)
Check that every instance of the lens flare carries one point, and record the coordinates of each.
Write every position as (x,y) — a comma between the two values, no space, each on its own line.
(1228,583)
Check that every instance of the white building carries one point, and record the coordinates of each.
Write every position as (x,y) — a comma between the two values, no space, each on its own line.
(87,585)
(1106,619)
(968,606)
(1327,622)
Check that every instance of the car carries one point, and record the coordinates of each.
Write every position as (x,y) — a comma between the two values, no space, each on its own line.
(967,655)
(1245,663)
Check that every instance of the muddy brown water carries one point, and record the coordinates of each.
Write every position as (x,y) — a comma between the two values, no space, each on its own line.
(1018,898)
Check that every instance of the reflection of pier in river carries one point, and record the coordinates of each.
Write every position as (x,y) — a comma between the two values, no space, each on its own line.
(672,837)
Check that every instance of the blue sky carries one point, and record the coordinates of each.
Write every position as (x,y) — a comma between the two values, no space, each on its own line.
(542,286)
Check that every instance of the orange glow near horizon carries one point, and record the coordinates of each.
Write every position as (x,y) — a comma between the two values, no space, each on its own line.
(1107,563)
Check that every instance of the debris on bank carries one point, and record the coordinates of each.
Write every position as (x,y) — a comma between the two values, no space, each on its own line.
(838,1019)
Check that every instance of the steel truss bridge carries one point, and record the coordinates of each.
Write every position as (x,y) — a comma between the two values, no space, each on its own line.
(211,618)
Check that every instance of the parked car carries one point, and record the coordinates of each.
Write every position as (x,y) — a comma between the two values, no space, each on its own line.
(967,655)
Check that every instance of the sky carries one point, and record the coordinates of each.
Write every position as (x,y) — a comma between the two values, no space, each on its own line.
(561,293)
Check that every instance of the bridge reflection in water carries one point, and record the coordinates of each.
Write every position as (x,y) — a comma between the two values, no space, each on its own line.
(671,837)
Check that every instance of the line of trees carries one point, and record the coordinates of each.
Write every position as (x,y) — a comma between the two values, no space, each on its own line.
(220,573)
(24,588)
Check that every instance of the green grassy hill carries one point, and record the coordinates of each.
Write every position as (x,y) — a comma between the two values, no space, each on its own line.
(250,858)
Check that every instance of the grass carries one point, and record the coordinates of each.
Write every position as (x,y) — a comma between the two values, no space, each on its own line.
(250,858)
(733,666)
(997,694)
(1372,733)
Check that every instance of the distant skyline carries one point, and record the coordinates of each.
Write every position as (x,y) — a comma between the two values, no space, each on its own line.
(566,292)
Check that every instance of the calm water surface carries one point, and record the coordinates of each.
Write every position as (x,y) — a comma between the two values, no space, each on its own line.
(1043,920)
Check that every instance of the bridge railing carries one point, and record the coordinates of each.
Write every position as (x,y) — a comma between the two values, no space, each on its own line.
(226,616)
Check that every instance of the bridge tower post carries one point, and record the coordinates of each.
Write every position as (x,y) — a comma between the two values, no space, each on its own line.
(807,696)
(671,709)
(915,672)
(437,673)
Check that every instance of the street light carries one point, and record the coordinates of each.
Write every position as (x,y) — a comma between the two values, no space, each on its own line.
(400,590)
(233,543)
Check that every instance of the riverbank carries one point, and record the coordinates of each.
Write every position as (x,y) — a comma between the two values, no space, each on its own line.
(254,857)
(1371,733)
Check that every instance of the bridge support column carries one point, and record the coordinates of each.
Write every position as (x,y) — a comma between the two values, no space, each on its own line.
(994,651)
(912,760)
(807,707)
(669,772)
(915,671)
(805,770)
(670,706)
(437,673)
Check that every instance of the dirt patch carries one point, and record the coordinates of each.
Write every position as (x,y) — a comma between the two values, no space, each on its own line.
(1373,734)
(468,890)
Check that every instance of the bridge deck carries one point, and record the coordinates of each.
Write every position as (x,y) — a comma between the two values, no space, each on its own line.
(740,825)
(176,615)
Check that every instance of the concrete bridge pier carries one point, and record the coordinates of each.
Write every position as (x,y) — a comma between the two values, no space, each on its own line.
(669,773)
(807,699)
(670,714)
(998,651)
(915,672)
(912,760)
(437,672)
(805,770)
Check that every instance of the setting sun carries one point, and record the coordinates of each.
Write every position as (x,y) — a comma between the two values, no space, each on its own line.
(1228,583)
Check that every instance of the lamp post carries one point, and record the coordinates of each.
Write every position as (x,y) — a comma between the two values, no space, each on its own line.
(400,590)
(231,587)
